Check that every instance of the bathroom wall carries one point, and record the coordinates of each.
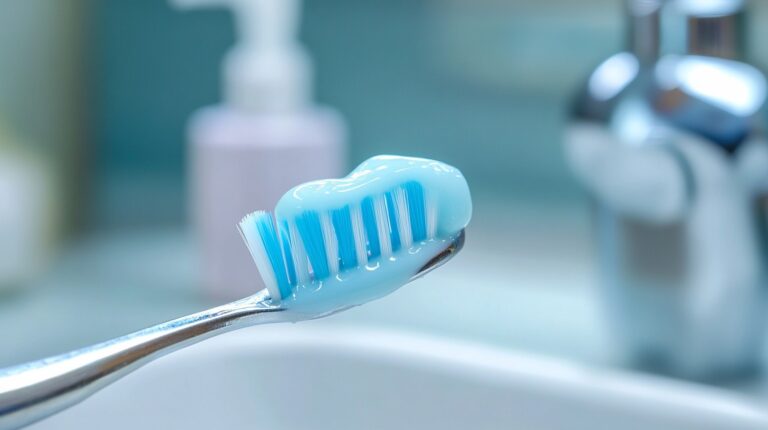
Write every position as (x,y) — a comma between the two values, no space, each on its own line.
(483,84)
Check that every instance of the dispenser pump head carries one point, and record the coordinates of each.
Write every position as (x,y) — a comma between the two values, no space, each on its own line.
(267,70)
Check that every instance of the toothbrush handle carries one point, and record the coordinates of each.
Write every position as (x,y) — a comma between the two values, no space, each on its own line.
(35,390)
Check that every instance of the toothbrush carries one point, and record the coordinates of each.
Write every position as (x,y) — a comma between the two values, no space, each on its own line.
(330,245)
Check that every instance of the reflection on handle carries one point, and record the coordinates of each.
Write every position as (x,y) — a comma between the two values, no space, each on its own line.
(35,390)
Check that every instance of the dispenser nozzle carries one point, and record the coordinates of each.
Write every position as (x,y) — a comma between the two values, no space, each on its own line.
(267,70)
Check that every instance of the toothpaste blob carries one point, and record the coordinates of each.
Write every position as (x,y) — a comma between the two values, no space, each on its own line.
(444,185)
(351,240)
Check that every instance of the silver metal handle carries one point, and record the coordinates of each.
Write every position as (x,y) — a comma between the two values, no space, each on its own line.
(33,391)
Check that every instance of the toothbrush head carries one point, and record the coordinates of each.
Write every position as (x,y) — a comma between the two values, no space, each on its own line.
(337,243)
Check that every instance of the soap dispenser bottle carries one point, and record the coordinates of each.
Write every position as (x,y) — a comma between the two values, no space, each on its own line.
(267,137)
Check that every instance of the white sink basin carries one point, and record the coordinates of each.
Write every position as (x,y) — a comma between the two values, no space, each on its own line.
(315,377)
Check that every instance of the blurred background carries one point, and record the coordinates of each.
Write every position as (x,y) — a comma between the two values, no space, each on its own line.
(96,99)
(105,90)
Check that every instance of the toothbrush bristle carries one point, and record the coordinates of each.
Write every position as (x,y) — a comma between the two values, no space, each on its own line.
(414,196)
(394,224)
(299,254)
(331,243)
(342,225)
(260,235)
(403,219)
(368,211)
(311,233)
(384,227)
(288,253)
(358,230)
(317,245)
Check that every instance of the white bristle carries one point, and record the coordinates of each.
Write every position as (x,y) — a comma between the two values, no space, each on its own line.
(431,212)
(331,243)
(358,228)
(403,219)
(255,245)
(382,225)
(300,262)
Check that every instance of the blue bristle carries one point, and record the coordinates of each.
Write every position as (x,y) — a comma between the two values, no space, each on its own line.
(310,229)
(342,224)
(417,212)
(369,221)
(265,225)
(285,235)
(308,225)
(394,233)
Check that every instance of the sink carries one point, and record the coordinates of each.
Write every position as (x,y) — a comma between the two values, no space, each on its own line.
(314,376)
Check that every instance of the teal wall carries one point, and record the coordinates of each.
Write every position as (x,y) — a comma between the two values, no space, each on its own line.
(478,84)
(105,87)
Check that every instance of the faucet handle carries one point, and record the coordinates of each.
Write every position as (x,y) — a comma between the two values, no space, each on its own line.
(648,180)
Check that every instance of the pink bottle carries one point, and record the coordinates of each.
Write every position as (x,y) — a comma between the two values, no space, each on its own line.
(266,138)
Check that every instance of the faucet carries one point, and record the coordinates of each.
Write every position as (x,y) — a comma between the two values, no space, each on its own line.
(667,137)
